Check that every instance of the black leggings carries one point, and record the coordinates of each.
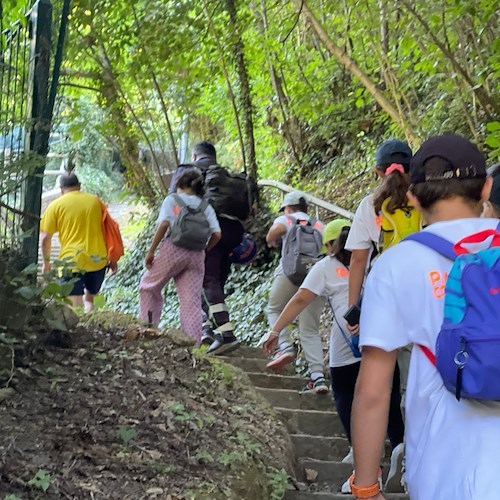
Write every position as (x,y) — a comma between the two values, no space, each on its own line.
(343,383)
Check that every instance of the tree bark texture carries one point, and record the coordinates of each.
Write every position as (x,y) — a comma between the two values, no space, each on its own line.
(245,92)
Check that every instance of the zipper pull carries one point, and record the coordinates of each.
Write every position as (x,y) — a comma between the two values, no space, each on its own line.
(460,359)
(458,383)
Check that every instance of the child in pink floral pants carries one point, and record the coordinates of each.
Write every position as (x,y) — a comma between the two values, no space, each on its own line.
(186,267)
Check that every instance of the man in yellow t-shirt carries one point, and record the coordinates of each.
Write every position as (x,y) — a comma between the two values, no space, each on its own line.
(76,216)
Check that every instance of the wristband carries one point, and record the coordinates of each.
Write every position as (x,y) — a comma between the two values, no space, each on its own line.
(364,491)
(273,333)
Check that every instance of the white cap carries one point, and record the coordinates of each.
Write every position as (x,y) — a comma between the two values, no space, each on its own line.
(293,198)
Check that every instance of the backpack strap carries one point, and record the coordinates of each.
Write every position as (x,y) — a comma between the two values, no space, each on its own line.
(203,205)
(444,248)
(478,238)
(434,242)
(428,353)
(178,200)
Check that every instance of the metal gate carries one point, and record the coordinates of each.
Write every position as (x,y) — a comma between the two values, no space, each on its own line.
(30,61)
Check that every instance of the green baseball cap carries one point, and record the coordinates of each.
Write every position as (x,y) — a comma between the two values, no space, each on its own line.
(333,229)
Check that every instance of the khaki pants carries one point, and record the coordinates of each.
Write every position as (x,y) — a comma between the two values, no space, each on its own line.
(282,290)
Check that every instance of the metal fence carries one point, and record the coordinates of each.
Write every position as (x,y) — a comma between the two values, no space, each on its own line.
(30,58)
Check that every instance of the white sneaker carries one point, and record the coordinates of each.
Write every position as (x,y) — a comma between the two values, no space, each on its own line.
(346,487)
(349,458)
(394,482)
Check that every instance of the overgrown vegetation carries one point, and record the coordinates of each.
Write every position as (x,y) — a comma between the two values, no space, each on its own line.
(295,90)
(133,414)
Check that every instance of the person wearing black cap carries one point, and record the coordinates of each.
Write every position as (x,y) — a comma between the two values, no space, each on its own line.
(451,446)
(492,206)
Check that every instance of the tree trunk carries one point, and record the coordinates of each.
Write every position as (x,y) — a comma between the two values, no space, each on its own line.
(230,91)
(129,149)
(245,92)
(356,71)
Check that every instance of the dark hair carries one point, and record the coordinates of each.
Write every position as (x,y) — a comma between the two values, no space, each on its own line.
(338,248)
(191,178)
(205,148)
(68,180)
(393,186)
(301,207)
(430,192)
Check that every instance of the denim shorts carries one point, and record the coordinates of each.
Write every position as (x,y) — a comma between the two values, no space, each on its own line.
(91,281)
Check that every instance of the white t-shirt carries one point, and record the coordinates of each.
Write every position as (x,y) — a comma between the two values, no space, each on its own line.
(452,448)
(365,227)
(330,278)
(170,209)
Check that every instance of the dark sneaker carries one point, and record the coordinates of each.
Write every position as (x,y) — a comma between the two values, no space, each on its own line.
(207,337)
(223,345)
(319,386)
(282,357)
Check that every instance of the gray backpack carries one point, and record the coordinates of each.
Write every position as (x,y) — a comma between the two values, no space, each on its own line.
(190,228)
(301,249)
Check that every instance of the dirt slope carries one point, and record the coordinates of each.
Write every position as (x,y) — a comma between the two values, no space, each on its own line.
(139,418)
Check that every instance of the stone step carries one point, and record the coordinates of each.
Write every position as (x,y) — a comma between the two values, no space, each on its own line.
(286,398)
(271,381)
(308,495)
(320,447)
(245,351)
(254,364)
(314,422)
(329,471)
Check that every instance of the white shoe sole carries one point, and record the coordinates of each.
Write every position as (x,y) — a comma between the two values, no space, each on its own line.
(393,482)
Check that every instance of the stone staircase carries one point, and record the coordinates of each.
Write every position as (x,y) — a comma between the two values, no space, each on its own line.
(314,427)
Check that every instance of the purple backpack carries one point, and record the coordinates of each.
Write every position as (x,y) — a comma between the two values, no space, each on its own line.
(468,344)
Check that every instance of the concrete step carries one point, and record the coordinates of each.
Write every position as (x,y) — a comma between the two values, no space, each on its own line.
(254,364)
(320,447)
(271,381)
(245,351)
(308,495)
(329,471)
(286,398)
(314,422)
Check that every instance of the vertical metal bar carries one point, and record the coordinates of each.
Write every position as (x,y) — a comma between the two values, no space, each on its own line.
(40,126)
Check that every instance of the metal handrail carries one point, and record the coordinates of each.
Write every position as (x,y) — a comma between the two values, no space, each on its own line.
(314,200)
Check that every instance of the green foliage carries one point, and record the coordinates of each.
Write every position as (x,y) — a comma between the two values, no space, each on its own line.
(204,456)
(41,480)
(493,138)
(126,434)
(318,108)
(27,305)
(278,482)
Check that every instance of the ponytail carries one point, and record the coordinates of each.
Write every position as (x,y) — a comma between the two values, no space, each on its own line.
(338,248)
(394,186)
